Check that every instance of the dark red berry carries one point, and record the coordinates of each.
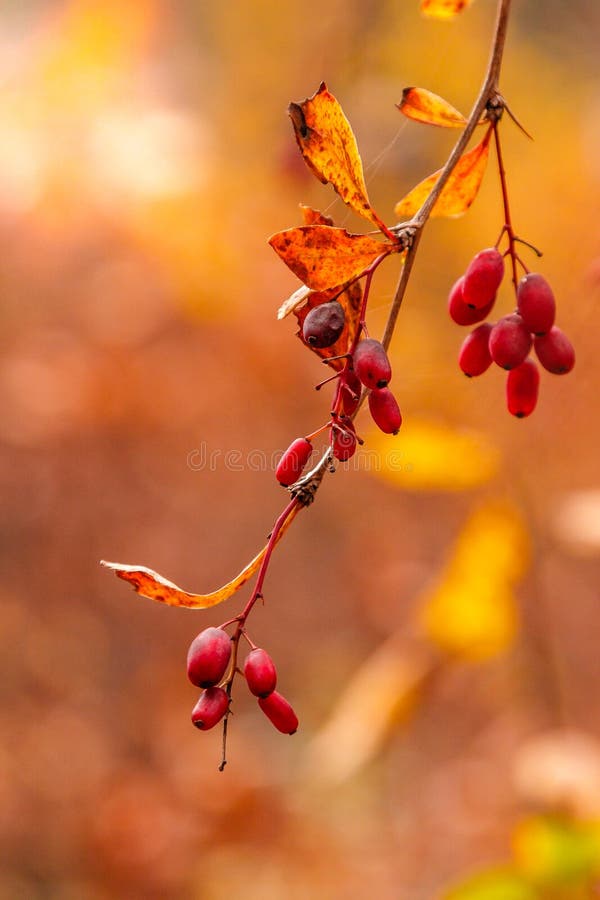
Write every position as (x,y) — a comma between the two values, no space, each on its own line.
(293,461)
(208,657)
(260,672)
(555,351)
(351,390)
(522,386)
(510,341)
(385,410)
(343,443)
(210,708)
(458,309)
(278,710)
(324,324)
(371,363)
(483,278)
(536,303)
(474,356)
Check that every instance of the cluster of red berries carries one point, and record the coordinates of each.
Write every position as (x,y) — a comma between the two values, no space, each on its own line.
(508,342)
(209,662)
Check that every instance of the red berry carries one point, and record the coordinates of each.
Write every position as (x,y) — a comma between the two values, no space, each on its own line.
(260,672)
(536,304)
(510,341)
(351,390)
(208,657)
(210,708)
(458,309)
(474,356)
(324,324)
(293,461)
(371,363)
(522,386)
(483,278)
(343,443)
(385,410)
(278,710)
(555,351)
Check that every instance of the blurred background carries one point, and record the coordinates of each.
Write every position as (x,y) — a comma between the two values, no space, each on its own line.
(435,623)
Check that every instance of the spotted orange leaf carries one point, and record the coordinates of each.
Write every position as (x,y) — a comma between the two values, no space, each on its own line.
(424,106)
(153,586)
(459,191)
(350,299)
(324,257)
(329,148)
(443,9)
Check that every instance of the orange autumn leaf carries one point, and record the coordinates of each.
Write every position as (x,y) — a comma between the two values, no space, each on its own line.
(329,148)
(424,106)
(153,586)
(312,216)
(324,257)
(351,301)
(459,191)
(443,9)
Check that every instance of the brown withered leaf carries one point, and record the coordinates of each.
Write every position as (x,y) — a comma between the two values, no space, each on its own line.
(443,9)
(459,191)
(351,300)
(153,586)
(422,105)
(329,148)
(324,257)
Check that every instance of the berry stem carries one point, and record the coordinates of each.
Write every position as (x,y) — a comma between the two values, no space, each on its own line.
(508,227)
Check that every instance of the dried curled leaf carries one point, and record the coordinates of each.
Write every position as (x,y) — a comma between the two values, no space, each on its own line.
(153,586)
(443,9)
(459,191)
(329,148)
(324,257)
(351,301)
(424,106)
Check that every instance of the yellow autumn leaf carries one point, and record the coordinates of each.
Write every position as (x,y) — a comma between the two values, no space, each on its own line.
(422,105)
(443,9)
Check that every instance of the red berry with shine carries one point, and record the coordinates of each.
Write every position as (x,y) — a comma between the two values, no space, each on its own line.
(460,312)
(536,303)
(324,324)
(343,444)
(278,710)
(208,657)
(351,390)
(510,341)
(210,708)
(483,278)
(474,356)
(371,363)
(555,351)
(260,672)
(292,462)
(522,385)
(385,410)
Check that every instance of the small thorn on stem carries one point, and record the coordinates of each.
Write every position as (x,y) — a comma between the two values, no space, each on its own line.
(327,380)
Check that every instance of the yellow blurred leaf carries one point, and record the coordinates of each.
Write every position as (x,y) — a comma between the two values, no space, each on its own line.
(471,610)
(443,9)
(430,456)
(422,105)
(329,148)
(557,851)
(495,884)
(459,191)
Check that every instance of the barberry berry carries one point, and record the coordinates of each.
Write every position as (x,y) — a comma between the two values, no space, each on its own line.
(371,363)
(260,672)
(483,278)
(343,442)
(324,324)
(208,657)
(474,356)
(350,391)
(536,304)
(510,341)
(291,464)
(210,708)
(458,309)
(522,384)
(385,410)
(555,351)
(278,710)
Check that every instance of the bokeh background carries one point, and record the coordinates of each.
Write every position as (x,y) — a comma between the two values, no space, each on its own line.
(448,727)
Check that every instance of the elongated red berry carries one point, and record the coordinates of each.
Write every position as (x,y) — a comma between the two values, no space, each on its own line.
(522,385)
(483,278)
(460,312)
(278,710)
(210,708)
(474,356)
(208,657)
(293,461)
(510,341)
(324,324)
(343,443)
(555,352)
(371,363)
(351,390)
(385,410)
(260,672)
(536,303)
